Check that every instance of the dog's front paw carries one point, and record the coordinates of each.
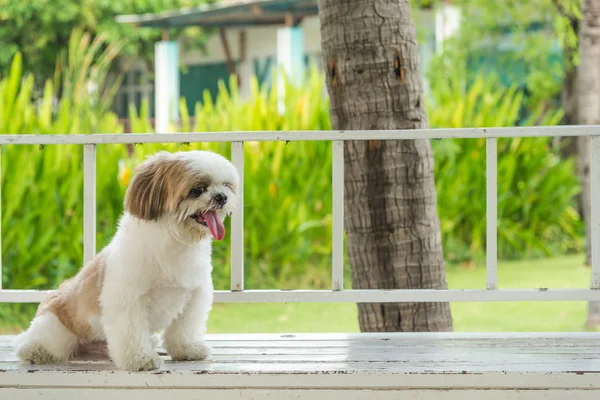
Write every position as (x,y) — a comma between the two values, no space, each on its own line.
(189,351)
(140,362)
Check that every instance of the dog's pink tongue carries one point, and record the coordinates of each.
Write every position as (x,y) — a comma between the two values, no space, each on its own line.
(215,225)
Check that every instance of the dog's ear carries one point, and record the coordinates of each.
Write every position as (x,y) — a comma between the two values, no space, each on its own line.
(146,195)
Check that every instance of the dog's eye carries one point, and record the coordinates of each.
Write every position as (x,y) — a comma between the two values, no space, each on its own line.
(197,191)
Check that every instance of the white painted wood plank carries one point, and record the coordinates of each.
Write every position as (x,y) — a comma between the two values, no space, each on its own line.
(448,337)
(427,357)
(566,357)
(237,222)
(250,377)
(370,353)
(401,367)
(576,342)
(295,394)
(389,362)
(89,202)
(566,339)
(337,205)
(0,219)
(366,344)
(365,296)
(595,201)
(381,353)
(410,134)
(403,339)
(491,185)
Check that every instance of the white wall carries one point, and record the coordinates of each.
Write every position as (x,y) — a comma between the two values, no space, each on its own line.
(260,42)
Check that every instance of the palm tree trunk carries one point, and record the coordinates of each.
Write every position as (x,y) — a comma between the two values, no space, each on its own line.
(583,170)
(589,111)
(392,227)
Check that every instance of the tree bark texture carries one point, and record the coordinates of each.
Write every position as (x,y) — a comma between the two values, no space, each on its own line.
(575,146)
(391,221)
(583,169)
(568,95)
(569,102)
(589,112)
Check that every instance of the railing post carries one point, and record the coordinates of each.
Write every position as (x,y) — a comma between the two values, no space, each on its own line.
(491,189)
(237,292)
(595,201)
(237,222)
(89,202)
(337,219)
(0,218)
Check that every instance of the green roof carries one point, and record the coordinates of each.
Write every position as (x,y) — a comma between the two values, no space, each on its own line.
(227,14)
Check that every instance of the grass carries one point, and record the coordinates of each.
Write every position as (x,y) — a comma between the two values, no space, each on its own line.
(561,272)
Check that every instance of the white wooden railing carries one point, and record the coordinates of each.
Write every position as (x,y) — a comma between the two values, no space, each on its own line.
(337,293)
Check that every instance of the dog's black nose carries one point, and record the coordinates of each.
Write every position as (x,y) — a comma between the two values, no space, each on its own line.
(221,199)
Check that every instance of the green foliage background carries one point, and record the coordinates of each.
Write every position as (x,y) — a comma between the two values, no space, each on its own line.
(40,29)
(288,192)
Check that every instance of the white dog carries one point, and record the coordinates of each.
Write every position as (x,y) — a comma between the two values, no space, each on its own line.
(155,274)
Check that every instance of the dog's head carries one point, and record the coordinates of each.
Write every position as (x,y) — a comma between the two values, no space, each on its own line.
(194,189)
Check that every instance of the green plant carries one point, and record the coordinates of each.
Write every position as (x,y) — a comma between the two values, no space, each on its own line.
(42,185)
(288,185)
(287,197)
(532,43)
(536,189)
(40,29)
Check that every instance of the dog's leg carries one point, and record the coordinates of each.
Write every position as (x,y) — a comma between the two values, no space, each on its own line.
(129,336)
(47,341)
(184,338)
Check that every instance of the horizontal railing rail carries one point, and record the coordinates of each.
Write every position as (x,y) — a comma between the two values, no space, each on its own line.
(237,293)
(258,136)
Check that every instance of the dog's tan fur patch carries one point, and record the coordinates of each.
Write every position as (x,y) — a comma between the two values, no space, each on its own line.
(77,299)
(158,186)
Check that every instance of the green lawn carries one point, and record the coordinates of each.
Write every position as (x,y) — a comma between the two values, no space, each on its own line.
(563,272)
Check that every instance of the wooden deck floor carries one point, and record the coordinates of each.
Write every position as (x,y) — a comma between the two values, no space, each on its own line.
(326,366)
